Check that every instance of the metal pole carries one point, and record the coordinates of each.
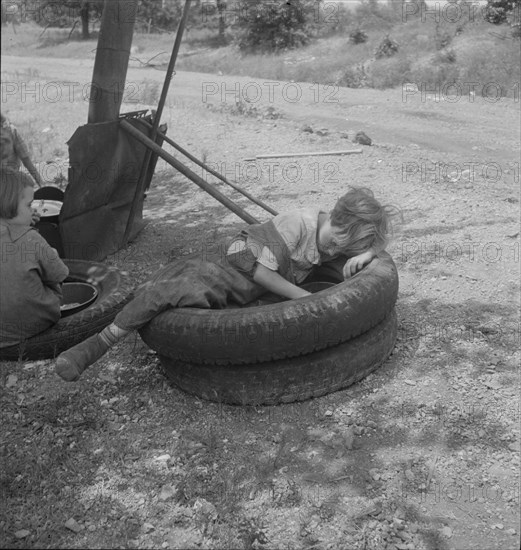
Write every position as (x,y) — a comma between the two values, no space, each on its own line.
(178,165)
(214,172)
(164,92)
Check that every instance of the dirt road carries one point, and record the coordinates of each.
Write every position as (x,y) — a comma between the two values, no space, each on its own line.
(451,120)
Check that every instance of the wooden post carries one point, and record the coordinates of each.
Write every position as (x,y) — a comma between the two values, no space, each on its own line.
(111,63)
(157,119)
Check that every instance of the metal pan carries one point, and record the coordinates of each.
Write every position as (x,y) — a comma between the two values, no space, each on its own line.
(76,296)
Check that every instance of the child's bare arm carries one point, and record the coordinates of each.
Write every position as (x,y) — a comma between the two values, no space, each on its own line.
(31,168)
(274,282)
(21,150)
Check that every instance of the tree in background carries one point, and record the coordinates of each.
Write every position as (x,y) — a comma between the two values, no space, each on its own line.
(10,13)
(215,15)
(85,9)
(63,13)
(371,14)
(152,15)
(221,10)
(158,15)
(499,11)
(165,15)
(275,25)
(505,11)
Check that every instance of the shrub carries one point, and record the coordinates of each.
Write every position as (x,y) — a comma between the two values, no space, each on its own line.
(386,48)
(375,15)
(432,72)
(499,11)
(353,77)
(492,61)
(390,72)
(358,36)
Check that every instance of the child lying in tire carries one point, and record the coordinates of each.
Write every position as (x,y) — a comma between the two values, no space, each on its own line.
(273,256)
(32,272)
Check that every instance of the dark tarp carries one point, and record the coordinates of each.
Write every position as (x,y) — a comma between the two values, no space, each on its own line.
(105,163)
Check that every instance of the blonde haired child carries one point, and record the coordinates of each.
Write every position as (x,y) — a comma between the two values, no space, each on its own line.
(31,270)
(274,256)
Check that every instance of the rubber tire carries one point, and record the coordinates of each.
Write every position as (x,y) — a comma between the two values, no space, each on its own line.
(114,291)
(277,331)
(288,380)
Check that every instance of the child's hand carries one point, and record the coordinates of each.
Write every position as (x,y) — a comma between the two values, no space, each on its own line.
(356,263)
(274,282)
(35,217)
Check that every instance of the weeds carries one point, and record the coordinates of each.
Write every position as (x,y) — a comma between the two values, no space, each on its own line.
(246,109)
(387,48)
(358,36)
(354,77)
(149,92)
(476,51)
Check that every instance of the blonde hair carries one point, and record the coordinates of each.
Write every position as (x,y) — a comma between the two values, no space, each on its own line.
(360,222)
(12,188)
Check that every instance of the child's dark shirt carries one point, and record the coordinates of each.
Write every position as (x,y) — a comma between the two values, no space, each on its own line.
(30,276)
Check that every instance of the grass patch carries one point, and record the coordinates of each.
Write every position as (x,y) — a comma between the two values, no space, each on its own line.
(426,53)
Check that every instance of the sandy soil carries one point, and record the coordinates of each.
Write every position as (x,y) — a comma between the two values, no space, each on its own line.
(434,461)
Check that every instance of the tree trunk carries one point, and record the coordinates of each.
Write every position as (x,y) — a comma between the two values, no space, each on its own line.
(111,63)
(84,14)
(222,24)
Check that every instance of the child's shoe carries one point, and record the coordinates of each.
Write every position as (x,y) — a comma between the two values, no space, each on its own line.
(72,362)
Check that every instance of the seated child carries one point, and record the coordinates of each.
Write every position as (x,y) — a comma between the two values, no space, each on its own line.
(273,256)
(14,151)
(32,272)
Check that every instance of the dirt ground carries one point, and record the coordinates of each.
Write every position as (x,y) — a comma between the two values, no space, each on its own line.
(422,454)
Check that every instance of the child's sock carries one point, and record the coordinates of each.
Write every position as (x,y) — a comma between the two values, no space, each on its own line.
(111,334)
(72,362)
